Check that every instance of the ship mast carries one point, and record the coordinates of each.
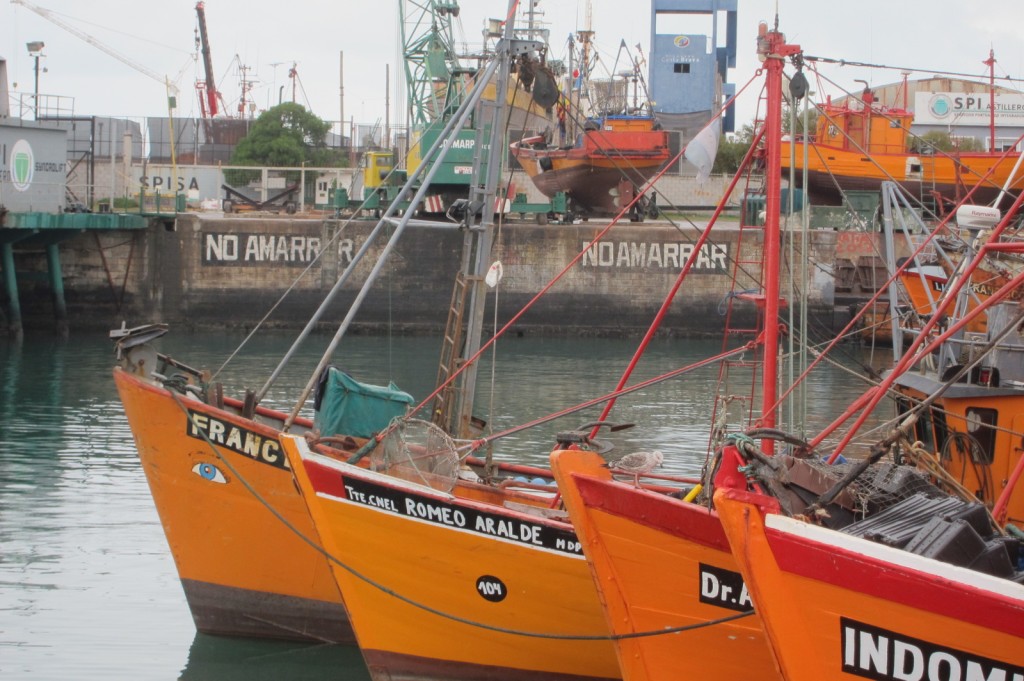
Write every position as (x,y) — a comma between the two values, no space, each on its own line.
(772,50)
(991,64)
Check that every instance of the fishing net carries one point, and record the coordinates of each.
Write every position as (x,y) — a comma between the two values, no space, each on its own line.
(420,452)
(879,486)
(844,492)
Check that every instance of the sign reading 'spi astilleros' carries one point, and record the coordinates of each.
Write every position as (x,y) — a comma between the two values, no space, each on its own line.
(401,502)
(243,248)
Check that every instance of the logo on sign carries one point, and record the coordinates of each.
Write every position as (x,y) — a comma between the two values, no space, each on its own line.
(940,106)
(682,41)
(23,164)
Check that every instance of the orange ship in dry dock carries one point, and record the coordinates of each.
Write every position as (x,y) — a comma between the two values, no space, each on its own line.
(613,157)
(860,145)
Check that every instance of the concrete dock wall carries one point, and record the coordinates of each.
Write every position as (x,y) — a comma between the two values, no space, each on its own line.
(229,271)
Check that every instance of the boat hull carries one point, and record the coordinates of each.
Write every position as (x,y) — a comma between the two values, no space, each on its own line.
(453,561)
(243,571)
(602,173)
(831,171)
(840,607)
(660,563)
(594,187)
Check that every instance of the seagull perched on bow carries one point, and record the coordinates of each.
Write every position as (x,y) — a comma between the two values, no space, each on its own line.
(637,464)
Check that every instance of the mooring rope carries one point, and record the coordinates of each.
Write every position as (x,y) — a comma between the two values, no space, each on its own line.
(423,606)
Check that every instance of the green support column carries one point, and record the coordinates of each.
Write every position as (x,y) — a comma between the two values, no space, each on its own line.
(11,283)
(60,311)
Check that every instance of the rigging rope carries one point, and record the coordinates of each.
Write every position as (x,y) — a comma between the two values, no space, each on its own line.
(422,606)
(848,62)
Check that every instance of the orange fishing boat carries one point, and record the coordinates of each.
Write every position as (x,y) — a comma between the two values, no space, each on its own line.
(880,570)
(631,536)
(860,144)
(227,500)
(660,561)
(838,606)
(439,586)
(975,421)
(924,284)
(243,571)
(234,519)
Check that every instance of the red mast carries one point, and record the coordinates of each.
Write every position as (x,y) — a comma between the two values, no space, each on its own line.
(772,50)
(209,106)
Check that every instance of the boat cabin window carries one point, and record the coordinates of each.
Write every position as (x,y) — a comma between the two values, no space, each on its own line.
(981,425)
(930,429)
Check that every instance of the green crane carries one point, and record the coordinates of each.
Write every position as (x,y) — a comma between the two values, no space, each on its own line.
(428,49)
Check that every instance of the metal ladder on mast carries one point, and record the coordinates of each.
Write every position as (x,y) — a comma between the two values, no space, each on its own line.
(733,372)
(451,347)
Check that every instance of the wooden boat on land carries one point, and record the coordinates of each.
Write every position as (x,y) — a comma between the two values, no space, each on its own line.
(601,172)
(861,144)
(603,161)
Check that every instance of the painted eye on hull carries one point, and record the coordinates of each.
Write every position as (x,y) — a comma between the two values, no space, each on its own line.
(209,472)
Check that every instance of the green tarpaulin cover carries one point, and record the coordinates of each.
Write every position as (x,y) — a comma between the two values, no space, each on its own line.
(347,407)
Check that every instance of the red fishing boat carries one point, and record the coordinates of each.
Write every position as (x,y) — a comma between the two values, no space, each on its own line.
(629,534)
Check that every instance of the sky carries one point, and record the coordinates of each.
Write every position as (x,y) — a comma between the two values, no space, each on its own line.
(269,37)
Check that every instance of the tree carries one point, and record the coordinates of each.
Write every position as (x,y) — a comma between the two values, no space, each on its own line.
(942,141)
(286,135)
(731,150)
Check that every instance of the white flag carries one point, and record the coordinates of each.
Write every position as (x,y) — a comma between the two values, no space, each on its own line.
(702,149)
(494,274)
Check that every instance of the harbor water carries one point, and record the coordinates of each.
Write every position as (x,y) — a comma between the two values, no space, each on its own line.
(88,589)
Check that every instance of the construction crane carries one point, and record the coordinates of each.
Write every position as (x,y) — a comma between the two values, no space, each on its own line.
(428,49)
(172,88)
(210,99)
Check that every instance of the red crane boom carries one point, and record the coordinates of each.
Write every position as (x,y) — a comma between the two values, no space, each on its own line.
(208,94)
